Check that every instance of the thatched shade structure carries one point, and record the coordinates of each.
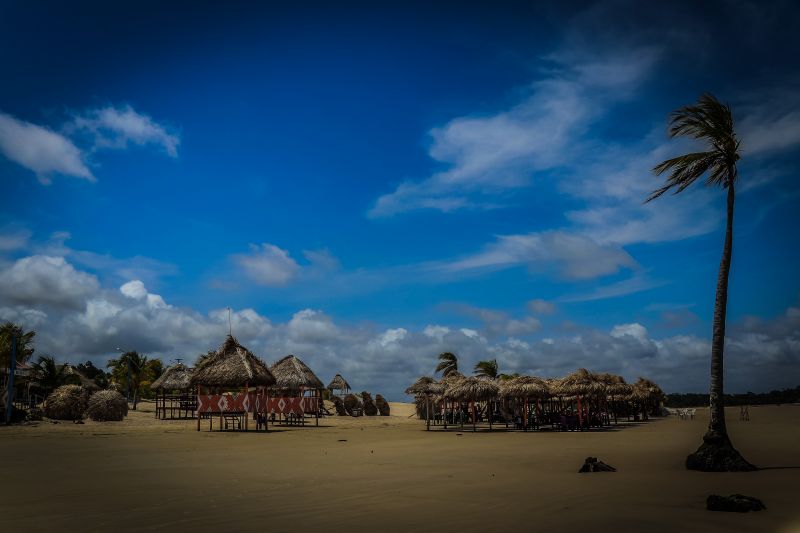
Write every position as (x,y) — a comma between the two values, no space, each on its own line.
(231,366)
(616,388)
(67,402)
(174,378)
(338,383)
(472,389)
(580,384)
(294,378)
(81,379)
(523,387)
(424,387)
(107,405)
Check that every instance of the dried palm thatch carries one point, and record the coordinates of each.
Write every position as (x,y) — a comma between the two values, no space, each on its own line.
(579,383)
(472,388)
(175,377)
(338,383)
(80,378)
(370,409)
(425,385)
(383,405)
(523,387)
(67,402)
(352,402)
(338,403)
(232,365)
(293,376)
(615,385)
(107,405)
(646,390)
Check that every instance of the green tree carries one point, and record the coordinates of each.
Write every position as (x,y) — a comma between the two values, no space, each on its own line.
(95,374)
(49,375)
(711,122)
(487,369)
(24,343)
(130,370)
(448,363)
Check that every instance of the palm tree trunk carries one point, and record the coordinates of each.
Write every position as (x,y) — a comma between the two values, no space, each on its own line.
(717,453)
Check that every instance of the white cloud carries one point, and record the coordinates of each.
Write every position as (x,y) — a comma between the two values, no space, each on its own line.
(566,255)
(118,127)
(770,120)
(634,330)
(14,238)
(542,307)
(267,265)
(134,289)
(41,150)
(46,280)
(435,332)
(491,153)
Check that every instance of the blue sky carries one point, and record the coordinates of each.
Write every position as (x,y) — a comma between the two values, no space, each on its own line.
(369,185)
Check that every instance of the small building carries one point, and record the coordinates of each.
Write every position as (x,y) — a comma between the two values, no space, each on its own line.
(175,396)
(338,383)
(296,382)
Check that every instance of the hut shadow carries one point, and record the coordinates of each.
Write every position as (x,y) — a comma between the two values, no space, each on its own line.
(779,467)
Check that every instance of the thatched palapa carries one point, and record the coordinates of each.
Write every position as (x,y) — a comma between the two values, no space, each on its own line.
(579,383)
(524,387)
(294,376)
(175,377)
(340,384)
(107,405)
(232,366)
(472,389)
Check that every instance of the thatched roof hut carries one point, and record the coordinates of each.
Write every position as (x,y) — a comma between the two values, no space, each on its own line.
(340,384)
(294,376)
(175,377)
(645,389)
(107,405)
(524,387)
(472,388)
(232,365)
(67,402)
(80,378)
(424,386)
(579,383)
(615,385)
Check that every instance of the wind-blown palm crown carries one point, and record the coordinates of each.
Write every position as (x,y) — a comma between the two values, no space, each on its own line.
(712,121)
(448,363)
(487,369)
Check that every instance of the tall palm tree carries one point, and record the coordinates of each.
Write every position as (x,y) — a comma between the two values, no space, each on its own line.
(24,343)
(48,374)
(711,122)
(487,369)
(448,363)
(130,363)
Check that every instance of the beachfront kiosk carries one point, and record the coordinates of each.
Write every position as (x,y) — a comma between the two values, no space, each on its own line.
(232,387)
(175,396)
(297,392)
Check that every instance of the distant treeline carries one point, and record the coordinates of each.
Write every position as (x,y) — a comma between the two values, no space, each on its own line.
(750,398)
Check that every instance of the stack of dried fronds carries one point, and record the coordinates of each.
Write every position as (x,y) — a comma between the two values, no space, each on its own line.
(107,405)
(338,403)
(351,403)
(370,409)
(383,405)
(67,402)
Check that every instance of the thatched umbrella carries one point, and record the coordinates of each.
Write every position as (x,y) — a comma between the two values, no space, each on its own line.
(175,377)
(340,384)
(425,386)
(580,384)
(232,366)
(525,388)
(294,377)
(67,402)
(107,405)
(473,389)
(646,391)
(616,388)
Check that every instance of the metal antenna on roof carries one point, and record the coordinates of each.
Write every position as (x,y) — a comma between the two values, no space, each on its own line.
(230,326)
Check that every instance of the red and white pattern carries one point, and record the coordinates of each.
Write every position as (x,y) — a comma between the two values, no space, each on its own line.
(232,402)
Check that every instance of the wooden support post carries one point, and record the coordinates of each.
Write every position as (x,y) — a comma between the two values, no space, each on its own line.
(427,412)
(198,405)
(317,396)
(246,412)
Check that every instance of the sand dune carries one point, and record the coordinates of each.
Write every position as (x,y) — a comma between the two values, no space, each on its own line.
(387,473)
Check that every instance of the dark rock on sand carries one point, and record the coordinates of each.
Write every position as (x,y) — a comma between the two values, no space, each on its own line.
(735,503)
(591,464)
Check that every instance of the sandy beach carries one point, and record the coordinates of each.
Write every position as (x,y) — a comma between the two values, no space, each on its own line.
(387,473)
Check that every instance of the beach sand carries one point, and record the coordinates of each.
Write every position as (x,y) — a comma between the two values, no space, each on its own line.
(388,474)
